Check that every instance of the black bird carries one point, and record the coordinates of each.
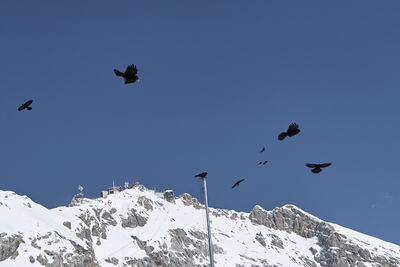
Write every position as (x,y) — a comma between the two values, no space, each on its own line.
(265,162)
(26,105)
(237,183)
(202,175)
(316,168)
(260,163)
(129,74)
(263,149)
(292,130)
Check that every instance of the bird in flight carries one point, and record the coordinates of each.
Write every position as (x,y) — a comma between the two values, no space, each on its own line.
(237,183)
(316,168)
(263,149)
(292,130)
(26,105)
(265,162)
(130,74)
(260,163)
(202,175)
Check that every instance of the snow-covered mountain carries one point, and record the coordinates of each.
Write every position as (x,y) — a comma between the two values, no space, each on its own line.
(138,227)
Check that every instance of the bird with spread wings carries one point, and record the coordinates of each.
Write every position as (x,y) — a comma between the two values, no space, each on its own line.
(292,130)
(317,168)
(237,183)
(201,175)
(130,74)
(26,105)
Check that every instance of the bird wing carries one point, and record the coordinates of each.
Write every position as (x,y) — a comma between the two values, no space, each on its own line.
(237,183)
(323,165)
(311,165)
(131,70)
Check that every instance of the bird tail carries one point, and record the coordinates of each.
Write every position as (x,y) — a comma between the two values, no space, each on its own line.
(28,108)
(282,136)
(118,73)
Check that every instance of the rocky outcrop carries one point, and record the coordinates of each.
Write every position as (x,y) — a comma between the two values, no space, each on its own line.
(336,250)
(188,200)
(139,228)
(133,220)
(177,256)
(146,203)
(9,245)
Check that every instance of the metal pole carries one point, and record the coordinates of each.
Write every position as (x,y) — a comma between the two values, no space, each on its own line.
(208,223)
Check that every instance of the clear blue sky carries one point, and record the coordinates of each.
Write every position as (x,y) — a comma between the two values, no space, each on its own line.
(217,82)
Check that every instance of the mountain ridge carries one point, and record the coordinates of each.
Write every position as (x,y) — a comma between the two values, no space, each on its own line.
(139,227)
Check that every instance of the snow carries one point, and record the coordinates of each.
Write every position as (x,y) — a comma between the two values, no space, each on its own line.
(235,236)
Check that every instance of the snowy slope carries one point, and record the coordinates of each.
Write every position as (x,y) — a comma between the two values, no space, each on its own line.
(137,227)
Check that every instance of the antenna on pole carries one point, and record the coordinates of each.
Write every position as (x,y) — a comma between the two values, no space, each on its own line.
(203,177)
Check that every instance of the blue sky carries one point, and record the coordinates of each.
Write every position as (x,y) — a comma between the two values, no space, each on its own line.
(218,81)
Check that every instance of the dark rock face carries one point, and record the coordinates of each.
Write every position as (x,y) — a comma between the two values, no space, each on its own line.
(276,241)
(146,203)
(336,250)
(9,246)
(261,239)
(108,218)
(133,220)
(67,224)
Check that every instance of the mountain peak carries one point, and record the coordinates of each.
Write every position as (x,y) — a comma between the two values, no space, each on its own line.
(142,227)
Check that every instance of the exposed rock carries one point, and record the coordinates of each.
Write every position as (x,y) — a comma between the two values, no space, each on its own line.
(34,244)
(165,244)
(81,256)
(113,260)
(42,259)
(145,202)
(179,239)
(188,200)
(85,234)
(199,235)
(276,241)
(67,224)
(113,210)
(133,220)
(234,216)
(9,246)
(261,239)
(291,219)
(14,255)
(108,218)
